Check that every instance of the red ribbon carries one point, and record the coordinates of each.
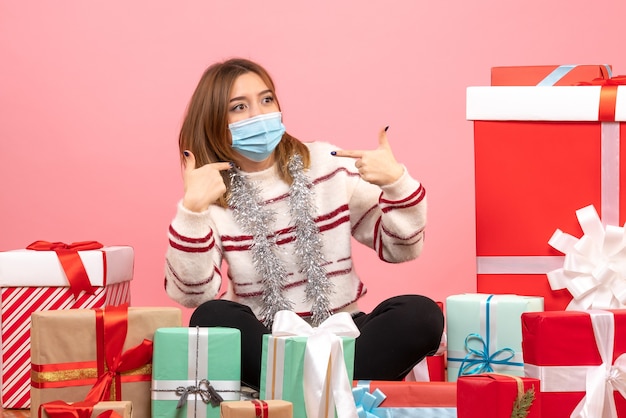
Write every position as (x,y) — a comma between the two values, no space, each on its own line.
(111,329)
(61,409)
(261,409)
(71,262)
(608,95)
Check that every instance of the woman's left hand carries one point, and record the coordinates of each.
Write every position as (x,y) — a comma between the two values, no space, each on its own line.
(377,166)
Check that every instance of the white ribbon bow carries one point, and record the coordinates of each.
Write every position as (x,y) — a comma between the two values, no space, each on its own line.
(323,362)
(602,380)
(594,271)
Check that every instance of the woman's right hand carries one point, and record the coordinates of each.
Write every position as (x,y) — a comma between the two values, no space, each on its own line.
(203,185)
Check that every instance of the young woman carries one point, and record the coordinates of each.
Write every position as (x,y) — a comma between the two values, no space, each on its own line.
(282,213)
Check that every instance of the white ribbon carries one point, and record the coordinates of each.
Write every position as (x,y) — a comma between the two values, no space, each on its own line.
(602,380)
(323,362)
(594,270)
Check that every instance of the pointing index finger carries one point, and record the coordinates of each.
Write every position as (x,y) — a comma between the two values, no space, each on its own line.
(348,153)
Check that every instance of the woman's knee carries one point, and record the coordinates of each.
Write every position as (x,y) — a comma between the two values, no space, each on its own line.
(219,313)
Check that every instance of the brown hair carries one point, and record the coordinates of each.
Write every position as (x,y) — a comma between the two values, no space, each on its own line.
(205,132)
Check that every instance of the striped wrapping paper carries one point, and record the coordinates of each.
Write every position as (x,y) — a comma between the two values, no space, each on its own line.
(31,281)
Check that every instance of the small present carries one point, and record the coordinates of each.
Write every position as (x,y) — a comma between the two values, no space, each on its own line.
(579,358)
(257,409)
(53,276)
(310,367)
(494,395)
(106,409)
(194,369)
(389,399)
(540,154)
(547,75)
(485,333)
(94,355)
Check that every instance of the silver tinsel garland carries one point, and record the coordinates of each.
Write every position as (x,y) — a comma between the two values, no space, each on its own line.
(255,220)
(308,242)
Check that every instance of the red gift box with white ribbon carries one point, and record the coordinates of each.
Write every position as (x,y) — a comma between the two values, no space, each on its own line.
(579,358)
(541,153)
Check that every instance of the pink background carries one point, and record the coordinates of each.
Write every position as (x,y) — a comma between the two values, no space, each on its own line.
(92,95)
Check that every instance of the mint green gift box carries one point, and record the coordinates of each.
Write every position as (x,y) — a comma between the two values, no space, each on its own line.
(484,333)
(186,361)
(282,369)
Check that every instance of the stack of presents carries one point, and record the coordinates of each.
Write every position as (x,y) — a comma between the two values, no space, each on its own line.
(543,336)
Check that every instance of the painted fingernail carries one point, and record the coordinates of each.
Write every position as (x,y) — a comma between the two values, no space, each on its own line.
(333,153)
(232,165)
(186,153)
(386,127)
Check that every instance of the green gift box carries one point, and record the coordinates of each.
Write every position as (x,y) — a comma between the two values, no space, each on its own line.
(484,333)
(283,368)
(189,366)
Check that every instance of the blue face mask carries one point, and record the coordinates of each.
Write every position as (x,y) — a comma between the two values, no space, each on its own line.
(257,137)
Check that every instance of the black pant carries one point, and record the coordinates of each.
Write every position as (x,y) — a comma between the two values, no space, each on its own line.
(395,336)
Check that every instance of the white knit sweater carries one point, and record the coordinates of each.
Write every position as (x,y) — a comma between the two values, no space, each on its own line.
(390,220)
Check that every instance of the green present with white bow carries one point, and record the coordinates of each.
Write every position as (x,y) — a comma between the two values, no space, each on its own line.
(194,369)
(311,367)
(484,333)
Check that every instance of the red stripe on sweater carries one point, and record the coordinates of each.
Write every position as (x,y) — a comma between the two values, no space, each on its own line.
(187,249)
(288,239)
(362,218)
(406,199)
(183,238)
(333,174)
(175,275)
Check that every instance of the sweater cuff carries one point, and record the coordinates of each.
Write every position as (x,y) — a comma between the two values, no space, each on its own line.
(191,224)
(401,188)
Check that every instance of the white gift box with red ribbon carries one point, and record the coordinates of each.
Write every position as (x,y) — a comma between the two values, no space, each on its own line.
(36,280)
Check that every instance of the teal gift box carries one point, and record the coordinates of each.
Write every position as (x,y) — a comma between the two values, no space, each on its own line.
(189,366)
(484,333)
(283,370)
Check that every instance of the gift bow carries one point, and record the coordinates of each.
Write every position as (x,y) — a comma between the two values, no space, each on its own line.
(62,409)
(71,262)
(207,393)
(480,360)
(323,361)
(608,95)
(594,271)
(111,329)
(366,401)
(602,380)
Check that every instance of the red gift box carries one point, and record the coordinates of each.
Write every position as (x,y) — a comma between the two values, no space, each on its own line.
(493,395)
(541,153)
(561,349)
(40,280)
(550,75)
(413,394)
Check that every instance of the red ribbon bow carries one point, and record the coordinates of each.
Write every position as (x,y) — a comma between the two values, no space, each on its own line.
(111,329)
(61,409)
(71,262)
(608,95)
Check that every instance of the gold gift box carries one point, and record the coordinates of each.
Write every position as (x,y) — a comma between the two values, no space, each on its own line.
(248,409)
(64,355)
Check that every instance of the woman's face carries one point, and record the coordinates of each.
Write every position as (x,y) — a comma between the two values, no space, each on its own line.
(249,97)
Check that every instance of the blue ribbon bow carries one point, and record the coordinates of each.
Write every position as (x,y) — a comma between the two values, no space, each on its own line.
(480,360)
(366,401)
